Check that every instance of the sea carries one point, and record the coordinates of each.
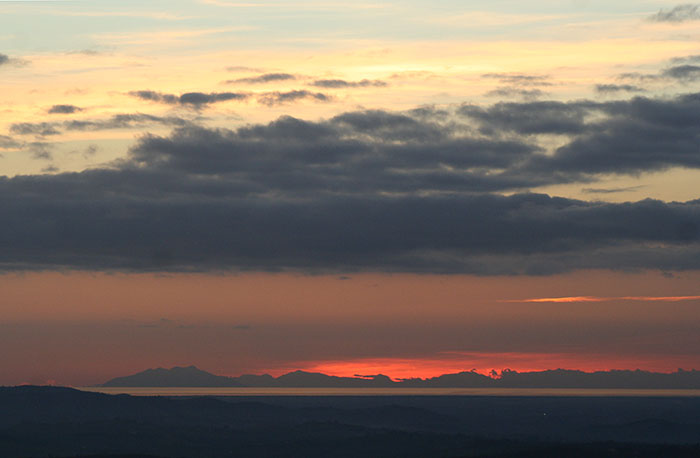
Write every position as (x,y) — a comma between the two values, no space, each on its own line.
(521,392)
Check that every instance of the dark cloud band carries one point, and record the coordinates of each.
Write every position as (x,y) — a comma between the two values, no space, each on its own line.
(116,225)
(369,190)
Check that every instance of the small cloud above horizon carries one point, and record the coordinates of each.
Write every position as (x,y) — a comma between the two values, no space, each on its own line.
(680,13)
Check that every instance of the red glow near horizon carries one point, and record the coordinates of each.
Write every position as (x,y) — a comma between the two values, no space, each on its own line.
(607,299)
(484,363)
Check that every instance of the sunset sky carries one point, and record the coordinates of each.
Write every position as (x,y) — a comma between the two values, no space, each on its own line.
(399,187)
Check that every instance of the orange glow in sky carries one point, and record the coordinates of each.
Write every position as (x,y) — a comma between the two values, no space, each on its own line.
(484,363)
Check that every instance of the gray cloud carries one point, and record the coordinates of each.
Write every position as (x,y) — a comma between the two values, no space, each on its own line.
(636,135)
(686,60)
(15,61)
(86,52)
(50,169)
(40,150)
(118,121)
(276,98)
(41,129)
(64,109)
(190,99)
(341,84)
(680,13)
(529,118)
(199,100)
(371,190)
(123,121)
(8,142)
(519,79)
(353,153)
(509,92)
(243,68)
(683,72)
(614,88)
(637,76)
(627,136)
(681,69)
(266,78)
(91,150)
(518,85)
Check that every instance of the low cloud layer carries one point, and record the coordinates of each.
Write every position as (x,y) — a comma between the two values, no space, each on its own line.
(370,190)
(133,220)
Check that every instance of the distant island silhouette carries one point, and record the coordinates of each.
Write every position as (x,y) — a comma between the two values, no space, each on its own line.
(191,376)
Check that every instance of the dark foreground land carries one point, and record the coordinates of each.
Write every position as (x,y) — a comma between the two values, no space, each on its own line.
(61,422)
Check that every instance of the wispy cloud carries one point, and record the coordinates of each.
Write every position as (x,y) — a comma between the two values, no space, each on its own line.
(611,190)
(297,5)
(159,15)
(261,79)
(165,36)
(339,84)
(519,79)
(615,88)
(507,92)
(683,72)
(275,98)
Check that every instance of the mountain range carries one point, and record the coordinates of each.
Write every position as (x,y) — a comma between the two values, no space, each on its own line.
(191,376)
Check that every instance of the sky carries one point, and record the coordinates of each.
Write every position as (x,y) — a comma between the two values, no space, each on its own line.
(405,188)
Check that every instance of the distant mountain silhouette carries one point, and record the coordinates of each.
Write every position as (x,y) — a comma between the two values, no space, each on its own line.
(193,377)
(300,379)
(460,380)
(558,378)
(175,377)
